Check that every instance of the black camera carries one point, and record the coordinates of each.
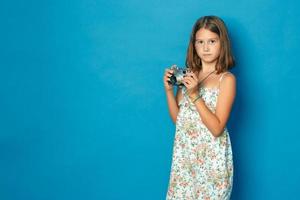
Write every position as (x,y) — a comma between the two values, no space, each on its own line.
(178,75)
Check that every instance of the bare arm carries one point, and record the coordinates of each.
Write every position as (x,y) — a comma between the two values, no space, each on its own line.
(173,103)
(217,122)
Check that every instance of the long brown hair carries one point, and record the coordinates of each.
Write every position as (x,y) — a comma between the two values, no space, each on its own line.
(216,25)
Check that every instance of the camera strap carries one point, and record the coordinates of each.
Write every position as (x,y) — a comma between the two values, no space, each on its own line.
(206,77)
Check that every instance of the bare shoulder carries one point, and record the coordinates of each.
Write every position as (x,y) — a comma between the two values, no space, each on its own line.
(228,83)
(228,78)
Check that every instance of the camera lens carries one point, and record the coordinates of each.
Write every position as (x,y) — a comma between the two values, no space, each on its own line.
(173,80)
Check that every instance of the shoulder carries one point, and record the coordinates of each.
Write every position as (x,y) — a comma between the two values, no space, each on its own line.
(227,79)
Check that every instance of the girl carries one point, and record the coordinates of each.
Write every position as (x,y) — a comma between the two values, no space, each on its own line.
(202,166)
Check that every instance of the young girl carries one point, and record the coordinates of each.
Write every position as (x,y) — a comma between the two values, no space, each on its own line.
(202,166)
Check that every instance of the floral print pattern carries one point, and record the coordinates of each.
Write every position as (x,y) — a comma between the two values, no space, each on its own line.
(202,165)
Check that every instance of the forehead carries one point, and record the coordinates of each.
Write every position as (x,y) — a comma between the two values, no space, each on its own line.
(205,34)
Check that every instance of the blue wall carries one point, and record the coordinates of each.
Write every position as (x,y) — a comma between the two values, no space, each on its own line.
(83,109)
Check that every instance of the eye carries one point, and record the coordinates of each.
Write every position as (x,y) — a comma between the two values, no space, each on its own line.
(212,41)
(199,42)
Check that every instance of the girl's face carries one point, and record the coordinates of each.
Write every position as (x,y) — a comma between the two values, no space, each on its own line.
(207,45)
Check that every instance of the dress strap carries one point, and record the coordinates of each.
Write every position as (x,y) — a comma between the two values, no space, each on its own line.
(220,79)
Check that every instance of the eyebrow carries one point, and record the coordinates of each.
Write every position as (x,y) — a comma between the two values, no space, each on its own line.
(208,38)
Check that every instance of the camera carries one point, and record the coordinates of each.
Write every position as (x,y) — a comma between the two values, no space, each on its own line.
(178,75)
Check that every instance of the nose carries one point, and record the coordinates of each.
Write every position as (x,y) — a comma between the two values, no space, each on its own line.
(205,46)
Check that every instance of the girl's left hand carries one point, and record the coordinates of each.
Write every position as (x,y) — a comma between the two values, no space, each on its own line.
(191,83)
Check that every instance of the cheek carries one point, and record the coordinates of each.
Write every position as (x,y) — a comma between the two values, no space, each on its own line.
(217,50)
(198,50)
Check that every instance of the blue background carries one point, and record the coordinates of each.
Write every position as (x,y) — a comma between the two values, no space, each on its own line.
(83,113)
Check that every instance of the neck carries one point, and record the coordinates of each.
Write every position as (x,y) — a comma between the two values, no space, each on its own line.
(208,67)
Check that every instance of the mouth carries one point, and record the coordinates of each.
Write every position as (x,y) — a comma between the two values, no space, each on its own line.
(206,54)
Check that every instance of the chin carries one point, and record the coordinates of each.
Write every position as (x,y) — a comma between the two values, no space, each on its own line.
(208,60)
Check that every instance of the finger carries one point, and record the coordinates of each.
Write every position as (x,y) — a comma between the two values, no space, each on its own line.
(192,74)
(167,83)
(169,75)
(185,84)
(195,79)
(188,75)
(187,81)
(167,79)
(169,71)
(191,82)
(188,78)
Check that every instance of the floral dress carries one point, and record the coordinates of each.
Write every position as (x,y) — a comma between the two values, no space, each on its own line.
(202,166)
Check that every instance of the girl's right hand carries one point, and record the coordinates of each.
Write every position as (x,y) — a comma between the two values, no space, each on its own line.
(168,74)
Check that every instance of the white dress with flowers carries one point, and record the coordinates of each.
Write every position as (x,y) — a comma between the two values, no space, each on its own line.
(202,166)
